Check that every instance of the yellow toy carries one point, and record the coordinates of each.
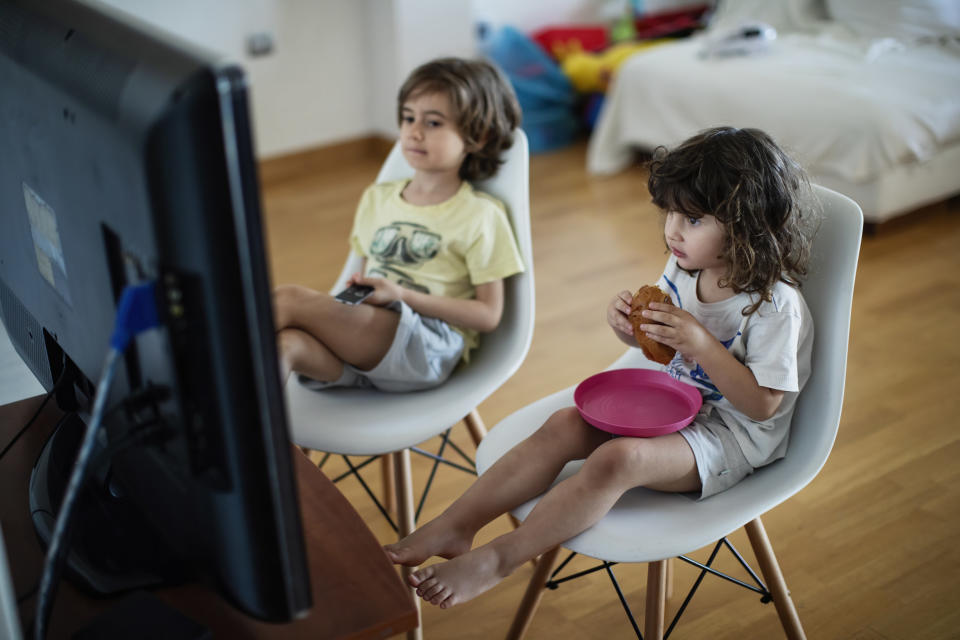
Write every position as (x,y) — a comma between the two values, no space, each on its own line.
(591,72)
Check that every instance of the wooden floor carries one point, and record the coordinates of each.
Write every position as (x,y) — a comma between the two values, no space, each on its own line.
(869,549)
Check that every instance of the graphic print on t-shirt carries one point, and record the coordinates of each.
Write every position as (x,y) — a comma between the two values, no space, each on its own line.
(403,244)
(678,370)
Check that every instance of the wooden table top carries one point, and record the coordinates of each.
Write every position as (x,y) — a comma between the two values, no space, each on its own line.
(356,591)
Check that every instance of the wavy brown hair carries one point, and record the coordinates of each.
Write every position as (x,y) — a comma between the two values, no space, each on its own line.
(486,109)
(759,195)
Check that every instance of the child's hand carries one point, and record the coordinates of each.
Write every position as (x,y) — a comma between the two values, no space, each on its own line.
(618,312)
(384,291)
(679,330)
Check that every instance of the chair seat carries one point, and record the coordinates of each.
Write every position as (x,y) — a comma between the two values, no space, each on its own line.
(646,525)
(370,422)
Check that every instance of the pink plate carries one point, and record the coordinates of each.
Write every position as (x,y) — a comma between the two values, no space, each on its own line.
(637,402)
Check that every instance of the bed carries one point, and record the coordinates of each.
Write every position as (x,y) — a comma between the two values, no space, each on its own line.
(865,94)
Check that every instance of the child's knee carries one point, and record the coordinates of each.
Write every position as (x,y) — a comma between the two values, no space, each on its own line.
(616,460)
(285,299)
(565,429)
(292,293)
(297,347)
(561,423)
(291,344)
(283,295)
(303,353)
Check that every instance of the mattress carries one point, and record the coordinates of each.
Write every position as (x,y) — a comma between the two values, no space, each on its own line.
(852,112)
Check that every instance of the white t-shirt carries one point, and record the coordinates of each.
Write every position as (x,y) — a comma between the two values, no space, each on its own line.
(774,342)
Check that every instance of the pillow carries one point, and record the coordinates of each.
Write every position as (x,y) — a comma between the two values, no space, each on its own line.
(782,15)
(905,20)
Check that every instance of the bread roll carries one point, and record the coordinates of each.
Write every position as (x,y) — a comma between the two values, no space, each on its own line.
(652,349)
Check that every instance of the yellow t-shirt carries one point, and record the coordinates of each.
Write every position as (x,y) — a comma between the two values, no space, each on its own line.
(445,249)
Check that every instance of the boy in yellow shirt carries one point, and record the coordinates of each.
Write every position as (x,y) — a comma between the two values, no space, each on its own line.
(435,250)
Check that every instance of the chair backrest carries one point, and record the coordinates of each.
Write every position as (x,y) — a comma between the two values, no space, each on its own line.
(505,348)
(828,291)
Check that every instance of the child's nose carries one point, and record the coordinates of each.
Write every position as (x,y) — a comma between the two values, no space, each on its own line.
(671,228)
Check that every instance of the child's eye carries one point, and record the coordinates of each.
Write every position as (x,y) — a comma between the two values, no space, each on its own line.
(693,221)
(434,123)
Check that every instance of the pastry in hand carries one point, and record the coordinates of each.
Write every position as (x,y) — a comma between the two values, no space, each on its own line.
(652,349)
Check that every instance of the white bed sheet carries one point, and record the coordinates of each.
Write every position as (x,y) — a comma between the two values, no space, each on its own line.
(846,109)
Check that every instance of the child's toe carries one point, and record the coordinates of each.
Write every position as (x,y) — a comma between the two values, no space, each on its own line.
(440,596)
(417,577)
(428,592)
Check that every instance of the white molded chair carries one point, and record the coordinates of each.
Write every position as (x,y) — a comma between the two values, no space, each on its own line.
(652,527)
(373,423)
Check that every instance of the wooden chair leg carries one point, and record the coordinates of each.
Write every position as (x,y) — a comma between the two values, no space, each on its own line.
(531,597)
(656,595)
(476,427)
(775,582)
(386,481)
(406,521)
(668,580)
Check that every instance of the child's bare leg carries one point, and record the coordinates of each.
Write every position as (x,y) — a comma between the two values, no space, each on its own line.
(359,334)
(665,463)
(521,474)
(301,352)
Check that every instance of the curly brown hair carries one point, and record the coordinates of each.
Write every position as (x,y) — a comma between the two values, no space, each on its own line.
(486,109)
(759,195)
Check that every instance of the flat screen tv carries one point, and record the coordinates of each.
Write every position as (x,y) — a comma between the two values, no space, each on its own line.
(126,157)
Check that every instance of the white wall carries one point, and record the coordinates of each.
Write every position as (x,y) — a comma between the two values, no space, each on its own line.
(310,90)
(411,33)
(529,16)
(337,64)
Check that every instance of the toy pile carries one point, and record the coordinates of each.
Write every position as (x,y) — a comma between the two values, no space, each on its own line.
(545,93)
(561,74)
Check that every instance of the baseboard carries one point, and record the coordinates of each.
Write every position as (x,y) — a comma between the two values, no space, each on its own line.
(310,161)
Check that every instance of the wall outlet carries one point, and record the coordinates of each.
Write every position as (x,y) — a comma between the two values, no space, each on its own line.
(260,43)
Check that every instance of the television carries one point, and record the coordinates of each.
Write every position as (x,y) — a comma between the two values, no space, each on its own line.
(127,158)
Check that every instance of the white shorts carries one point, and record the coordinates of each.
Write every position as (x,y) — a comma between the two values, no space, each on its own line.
(424,353)
(720,461)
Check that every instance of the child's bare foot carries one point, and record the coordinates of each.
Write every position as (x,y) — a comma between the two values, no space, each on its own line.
(434,539)
(463,578)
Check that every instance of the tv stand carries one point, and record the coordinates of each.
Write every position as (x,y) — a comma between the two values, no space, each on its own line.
(111,548)
(372,603)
